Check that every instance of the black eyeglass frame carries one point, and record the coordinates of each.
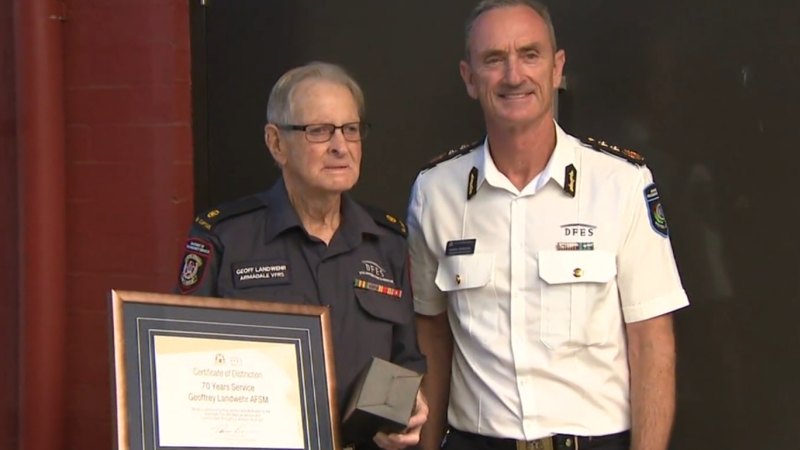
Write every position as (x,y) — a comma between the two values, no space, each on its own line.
(363,130)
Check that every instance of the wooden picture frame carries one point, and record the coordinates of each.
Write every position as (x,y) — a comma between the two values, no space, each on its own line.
(217,373)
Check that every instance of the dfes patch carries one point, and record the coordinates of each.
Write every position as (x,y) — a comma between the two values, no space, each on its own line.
(195,261)
(656,210)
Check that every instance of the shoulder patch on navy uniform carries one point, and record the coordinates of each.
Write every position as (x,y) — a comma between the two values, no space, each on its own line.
(213,216)
(387,220)
(453,153)
(195,261)
(624,153)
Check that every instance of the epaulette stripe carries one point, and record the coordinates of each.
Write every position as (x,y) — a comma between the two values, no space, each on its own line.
(452,153)
(387,220)
(213,216)
(624,153)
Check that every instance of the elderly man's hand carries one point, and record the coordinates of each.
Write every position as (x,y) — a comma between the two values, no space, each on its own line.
(409,436)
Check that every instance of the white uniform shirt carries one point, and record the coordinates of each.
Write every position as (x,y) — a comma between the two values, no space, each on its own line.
(538,326)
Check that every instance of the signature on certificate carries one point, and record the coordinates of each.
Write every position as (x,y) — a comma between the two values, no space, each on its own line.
(227,428)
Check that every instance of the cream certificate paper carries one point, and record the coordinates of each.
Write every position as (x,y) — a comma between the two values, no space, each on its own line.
(227,393)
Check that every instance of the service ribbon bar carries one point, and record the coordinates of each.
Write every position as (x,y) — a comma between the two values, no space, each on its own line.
(379,288)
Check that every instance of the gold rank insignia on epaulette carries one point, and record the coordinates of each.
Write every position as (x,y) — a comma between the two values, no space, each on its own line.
(210,218)
(570,179)
(472,183)
(453,153)
(624,153)
(389,221)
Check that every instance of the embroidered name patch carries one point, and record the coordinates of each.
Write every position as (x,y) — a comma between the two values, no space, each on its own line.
(374,270)
(193,267)
(260,273)
(460,247)
(656,210)
(379,288)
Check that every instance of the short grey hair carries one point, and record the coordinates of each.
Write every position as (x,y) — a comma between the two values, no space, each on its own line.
(488,5)
(281,99)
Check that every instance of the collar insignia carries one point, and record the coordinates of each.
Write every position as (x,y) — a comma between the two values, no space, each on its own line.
(570,180)
(472,183)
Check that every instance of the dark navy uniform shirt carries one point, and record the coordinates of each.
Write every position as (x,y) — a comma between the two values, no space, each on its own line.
(362,274)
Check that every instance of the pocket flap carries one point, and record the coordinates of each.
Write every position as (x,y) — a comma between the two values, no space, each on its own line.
(385,307)
(464,271)
(559,267)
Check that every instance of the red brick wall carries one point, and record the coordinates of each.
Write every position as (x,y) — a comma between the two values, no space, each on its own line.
(129,180)
(9,304)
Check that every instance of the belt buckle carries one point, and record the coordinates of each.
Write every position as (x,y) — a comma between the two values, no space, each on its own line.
(545,443)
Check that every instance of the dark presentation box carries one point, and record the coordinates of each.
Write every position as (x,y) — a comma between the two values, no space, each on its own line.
(383,399)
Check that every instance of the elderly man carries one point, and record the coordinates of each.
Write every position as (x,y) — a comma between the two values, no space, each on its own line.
(542,267)
(335,251)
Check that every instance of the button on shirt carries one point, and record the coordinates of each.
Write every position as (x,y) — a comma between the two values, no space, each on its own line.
(364,322)
(538,306)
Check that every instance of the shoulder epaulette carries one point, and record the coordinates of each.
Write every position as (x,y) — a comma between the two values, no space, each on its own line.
(387,220)
(624,153)
(453,153)
(235,208)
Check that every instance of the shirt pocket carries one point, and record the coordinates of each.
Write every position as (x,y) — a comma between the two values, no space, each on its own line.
(385,307)
(575,284)
(468,279)
(461,272)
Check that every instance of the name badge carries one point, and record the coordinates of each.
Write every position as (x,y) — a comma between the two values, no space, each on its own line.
(460,247)
(260,273)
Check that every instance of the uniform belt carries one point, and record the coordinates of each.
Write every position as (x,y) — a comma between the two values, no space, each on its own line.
(554,442)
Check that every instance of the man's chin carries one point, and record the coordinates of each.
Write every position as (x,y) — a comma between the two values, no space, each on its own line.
(339,186)
(517,119)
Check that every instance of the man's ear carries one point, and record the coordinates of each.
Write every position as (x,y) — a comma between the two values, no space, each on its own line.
(273,140)
(559,59)
(466,75)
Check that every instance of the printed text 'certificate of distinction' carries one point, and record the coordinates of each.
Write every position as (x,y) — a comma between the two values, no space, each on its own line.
(227,393)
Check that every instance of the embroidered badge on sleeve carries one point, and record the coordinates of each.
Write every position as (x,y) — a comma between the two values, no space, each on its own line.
(656,210)
(195,261)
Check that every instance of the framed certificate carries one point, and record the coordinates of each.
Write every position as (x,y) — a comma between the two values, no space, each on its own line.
(213,373)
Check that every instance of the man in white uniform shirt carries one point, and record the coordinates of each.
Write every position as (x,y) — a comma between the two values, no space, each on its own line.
(542,270)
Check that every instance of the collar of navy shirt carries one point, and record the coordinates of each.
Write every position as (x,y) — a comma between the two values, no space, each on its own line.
(281,216)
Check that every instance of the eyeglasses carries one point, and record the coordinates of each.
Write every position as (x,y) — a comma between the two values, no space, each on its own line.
(323,132)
